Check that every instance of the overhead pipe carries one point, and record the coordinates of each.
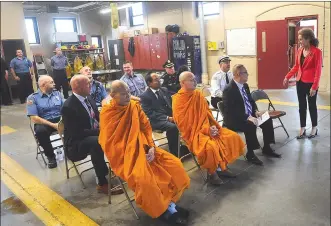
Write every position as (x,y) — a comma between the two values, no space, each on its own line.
(205,78)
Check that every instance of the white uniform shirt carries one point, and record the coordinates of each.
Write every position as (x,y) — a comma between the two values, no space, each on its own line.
(218,83)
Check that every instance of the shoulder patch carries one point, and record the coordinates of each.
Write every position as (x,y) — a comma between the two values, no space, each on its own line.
(29,102)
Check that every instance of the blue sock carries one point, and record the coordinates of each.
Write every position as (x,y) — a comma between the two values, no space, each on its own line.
(218,169)
(172,208)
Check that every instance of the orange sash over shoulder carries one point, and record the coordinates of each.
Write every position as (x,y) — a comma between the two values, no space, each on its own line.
(194,119)
(124,130)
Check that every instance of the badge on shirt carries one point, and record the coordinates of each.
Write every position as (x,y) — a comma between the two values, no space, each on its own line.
(29,102)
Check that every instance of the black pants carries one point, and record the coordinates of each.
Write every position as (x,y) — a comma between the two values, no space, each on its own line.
(60,79)
(249,130)
(5,94)
(90,146)
(24,86)
(43,133)
(214,101)
(303,90)
(172,135)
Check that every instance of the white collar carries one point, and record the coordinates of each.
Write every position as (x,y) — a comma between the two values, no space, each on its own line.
(240,86)
(80,98)
(154,90)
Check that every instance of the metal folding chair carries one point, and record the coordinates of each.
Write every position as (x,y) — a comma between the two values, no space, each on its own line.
(261,95)
(53,137)
(206,92)
(60,131)
(158,136)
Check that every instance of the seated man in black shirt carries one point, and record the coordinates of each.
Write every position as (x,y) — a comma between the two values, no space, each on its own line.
(170,78)
(157,105)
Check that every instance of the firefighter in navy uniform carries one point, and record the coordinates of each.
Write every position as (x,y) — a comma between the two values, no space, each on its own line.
(170,78)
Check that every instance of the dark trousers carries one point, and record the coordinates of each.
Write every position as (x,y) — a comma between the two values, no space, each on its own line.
(172,135)
(60,79)
(90,146)
(252,142)
(214,101)
(43,133)
(24,86)
(303,90)
(5,94)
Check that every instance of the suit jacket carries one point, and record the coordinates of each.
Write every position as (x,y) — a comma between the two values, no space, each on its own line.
(77,125)
(234,113)
(311,69)
(153,107)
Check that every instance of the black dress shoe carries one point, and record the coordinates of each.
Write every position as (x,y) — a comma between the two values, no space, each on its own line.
(254,160)
(226,173)
(183,212)
(302,136)
(313,135)
(271,153)
(173,219)
(52,163)
(214,179)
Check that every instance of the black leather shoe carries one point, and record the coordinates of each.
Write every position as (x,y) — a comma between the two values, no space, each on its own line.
(254,160)
(52,163)
(226,173)
(173,219)
(313,135)
(271,153)
(302,136)
(183,212)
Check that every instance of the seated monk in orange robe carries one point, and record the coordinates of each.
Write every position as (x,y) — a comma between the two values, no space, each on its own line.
(214,146)
(157,177)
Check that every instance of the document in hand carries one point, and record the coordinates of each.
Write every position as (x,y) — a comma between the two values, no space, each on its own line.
(263,118)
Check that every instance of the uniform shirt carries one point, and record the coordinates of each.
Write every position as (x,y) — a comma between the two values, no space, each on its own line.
(98,92)
(218,83)
(171,82)
(45,106)
(21,65)
(59,62)
(137,84)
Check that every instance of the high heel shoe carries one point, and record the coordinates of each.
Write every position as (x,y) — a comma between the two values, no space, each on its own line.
(313,135)
(303,135)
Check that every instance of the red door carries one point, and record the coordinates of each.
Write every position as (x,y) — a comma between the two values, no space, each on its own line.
(272,59)
(144,52)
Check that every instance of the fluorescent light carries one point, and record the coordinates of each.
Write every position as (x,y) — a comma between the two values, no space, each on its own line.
(108,10)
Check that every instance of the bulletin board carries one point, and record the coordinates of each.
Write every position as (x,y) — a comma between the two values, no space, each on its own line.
(241,42)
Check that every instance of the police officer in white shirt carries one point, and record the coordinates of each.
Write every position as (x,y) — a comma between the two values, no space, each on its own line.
(220,79)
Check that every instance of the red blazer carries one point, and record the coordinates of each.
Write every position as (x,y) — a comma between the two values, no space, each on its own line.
(311,69)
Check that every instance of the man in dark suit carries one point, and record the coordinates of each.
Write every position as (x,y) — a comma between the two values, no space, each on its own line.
(157,105)
(240,114)
(81,130)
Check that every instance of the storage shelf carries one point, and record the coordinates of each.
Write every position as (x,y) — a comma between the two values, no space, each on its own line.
(79,50)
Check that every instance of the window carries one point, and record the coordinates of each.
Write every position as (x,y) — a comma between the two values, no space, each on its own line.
(32,30)
(65,24)
(209,8)
(136,14)
(96,40)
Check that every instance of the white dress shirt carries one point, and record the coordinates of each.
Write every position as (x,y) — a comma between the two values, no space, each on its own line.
(154,91)
(218,83)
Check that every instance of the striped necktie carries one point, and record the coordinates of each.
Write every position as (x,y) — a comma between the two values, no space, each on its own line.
(93,121)
(247,103)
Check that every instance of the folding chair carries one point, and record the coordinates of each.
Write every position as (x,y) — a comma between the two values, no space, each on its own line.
(60,131)
(261,95)
(158,136)
(53,138)
(206,92)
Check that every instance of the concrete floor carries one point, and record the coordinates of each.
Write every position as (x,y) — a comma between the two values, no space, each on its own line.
(294,190)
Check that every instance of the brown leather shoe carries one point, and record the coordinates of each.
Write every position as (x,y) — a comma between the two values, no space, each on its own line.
(214,179)
(104,189)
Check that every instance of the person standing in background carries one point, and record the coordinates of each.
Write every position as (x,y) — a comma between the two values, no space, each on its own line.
(22,70)
(5,94)
(59,63)
(170,78)
(308,66)
(220,79)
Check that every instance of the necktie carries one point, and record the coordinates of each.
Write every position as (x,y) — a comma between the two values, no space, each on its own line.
(226,78)
(247,103)
(157,93)
(93,121)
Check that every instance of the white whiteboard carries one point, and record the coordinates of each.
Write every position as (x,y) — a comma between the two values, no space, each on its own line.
(241,42)
(66,37)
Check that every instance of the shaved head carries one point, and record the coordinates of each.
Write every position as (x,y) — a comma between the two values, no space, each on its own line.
(119,91)
(187,81)
(46,84)
(80,85)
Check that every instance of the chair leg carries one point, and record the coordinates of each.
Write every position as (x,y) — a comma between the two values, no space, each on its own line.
(66,163)
(284,128)
(178,146)
(196,162)
(80,176)
(128,198)
(109,186)
(217,116)
(39,152)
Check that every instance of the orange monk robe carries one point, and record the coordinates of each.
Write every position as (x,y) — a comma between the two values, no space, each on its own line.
(194,119)
(124,130)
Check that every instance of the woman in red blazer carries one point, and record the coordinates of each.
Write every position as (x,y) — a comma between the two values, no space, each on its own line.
(308,66)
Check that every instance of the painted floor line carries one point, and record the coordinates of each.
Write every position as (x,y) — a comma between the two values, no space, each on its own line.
(7,130)
(320,107)
(46,204)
